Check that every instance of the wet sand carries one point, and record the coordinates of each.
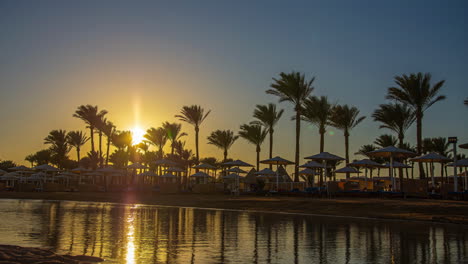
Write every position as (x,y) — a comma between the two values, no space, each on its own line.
(441,211)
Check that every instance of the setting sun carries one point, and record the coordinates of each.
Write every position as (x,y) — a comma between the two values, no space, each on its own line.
(137,135)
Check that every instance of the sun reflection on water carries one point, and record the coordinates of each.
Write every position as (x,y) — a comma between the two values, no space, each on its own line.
(130,256)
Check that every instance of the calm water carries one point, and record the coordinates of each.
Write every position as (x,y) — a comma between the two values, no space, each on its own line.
(151,234)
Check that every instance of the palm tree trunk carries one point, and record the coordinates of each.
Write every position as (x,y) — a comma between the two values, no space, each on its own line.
(346,136)
(419,117)
(197,129)
(225,155)
(258,157)
(78,154)
(298,135)
(100,149)
(271,147)
(400,145)
(442,174)
(108,150)
(322,141)
(92,138)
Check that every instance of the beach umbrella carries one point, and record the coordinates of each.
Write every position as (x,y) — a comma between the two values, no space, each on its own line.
(205,166)
(80,170)
(347,170)
(325,157)
(277,161)
(200,174)
(136,165)
(237,163)
(174,169)
(19,168)
(431,158)
(46,167)
(312,165)
(234,176)
(397,165)
(236,170)
(462,163)
(148,173)
(308,171)
(365,163)
(2,172)
(9,176)
(266,171)
(463,146)
(391,152)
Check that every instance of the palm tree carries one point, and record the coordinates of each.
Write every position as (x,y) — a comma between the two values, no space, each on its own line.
(268,117)
(466,102)
(173,133)
(317,111)
(90,115)
(345,118)
(101,125)
(194,115)
(254,134)
(77,139)
(31,158)
(364,150)
(222,139)
(108,129)
(417,92)
(292,87)
(385,140)
(59,146)
(396,117)
(157,137)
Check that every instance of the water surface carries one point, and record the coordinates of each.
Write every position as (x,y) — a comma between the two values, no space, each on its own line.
(152,234)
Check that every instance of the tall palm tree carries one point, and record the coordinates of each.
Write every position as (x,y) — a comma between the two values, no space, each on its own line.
(194,115)
(57,139)
(317,111)
(294,88)
(385,140)
(416,91)
(396,117)
(90,115)
(108,129)
(254,134)
(77,139)
(345,118)
(157,137)
(223,139)
(268,117)
(173,131)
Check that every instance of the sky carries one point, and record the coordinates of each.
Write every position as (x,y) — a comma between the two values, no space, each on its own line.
(143,60)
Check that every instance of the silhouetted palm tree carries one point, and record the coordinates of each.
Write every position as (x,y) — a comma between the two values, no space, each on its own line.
(90,115)
(385,140)
(254,134)
(194,115)
(345,118)
(267,116)
(415,90)
(466,102)
(57,139)
(173,132)
(77,139)
(108,129)
(317,111)
(157,137)
(292,87)
(396,117)
(222,139)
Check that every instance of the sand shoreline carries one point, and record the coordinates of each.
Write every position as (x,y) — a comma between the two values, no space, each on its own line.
(435,211)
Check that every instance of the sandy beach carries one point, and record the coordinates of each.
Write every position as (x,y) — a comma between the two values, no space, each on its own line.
(441,211)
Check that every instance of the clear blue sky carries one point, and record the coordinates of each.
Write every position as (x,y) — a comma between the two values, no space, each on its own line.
(144,60)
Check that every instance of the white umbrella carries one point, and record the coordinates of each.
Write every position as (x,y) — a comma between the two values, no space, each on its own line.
(236,170)
(365,163)
(324,157)
(277,161)
(347,170)
(19,168)
(391,152)
(431,158)
(237,163)
(46,167)
(205,166)
(2,172)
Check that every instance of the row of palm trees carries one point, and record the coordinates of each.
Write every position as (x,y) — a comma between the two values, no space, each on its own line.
(412,95)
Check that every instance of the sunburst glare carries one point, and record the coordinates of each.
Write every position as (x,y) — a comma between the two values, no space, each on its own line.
(137,135)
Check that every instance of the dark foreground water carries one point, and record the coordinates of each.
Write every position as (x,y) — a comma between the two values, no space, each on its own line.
(151,234)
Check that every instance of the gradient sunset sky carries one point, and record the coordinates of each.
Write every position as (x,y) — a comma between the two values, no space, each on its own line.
(143,60)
